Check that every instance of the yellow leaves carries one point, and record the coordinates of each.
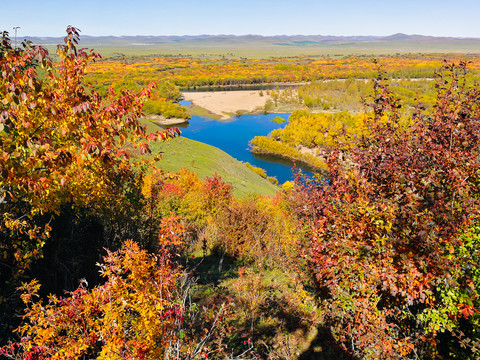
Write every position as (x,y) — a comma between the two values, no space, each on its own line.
(135,310)
(29,290)
(44,335)
(288,185)
(62,142)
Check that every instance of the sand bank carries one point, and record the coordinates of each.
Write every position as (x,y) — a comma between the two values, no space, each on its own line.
(162,120)
(226,103)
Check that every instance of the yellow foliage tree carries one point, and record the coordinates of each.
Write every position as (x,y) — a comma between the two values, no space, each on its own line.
(61,142)
(132,316)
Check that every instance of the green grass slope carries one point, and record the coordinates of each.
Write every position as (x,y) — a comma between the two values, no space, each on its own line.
(205,160)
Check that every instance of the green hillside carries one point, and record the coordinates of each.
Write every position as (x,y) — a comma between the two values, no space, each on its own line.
(205,160)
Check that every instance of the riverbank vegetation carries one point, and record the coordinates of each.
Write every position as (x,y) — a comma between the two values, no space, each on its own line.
(107,254)
(325,83)
(165,101)
(331,113)
(261,172)
(309,136)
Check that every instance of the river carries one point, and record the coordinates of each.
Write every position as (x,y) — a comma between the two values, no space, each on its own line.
(233,136)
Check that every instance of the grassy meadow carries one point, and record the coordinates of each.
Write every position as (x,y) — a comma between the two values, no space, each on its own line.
(206,160)
(259,47)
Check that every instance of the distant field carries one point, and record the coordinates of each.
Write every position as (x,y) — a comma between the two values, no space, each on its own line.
(252,52)
(265,47)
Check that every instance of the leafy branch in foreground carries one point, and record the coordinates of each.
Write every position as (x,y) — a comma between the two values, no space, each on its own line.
(388,253)
(133,315)
(144,310)
(61,142)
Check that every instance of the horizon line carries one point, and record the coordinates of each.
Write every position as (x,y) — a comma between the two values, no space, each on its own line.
(260,35)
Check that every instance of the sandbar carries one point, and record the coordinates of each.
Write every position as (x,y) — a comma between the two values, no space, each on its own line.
(162,120)
(226,103)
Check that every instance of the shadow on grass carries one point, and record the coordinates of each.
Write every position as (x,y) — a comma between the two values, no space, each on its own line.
(214,268)
(324,347)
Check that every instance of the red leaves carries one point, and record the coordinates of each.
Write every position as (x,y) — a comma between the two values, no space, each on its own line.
(386,226)
(467,310)
(217,190)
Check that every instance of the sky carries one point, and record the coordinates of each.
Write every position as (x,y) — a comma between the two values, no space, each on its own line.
(457,18)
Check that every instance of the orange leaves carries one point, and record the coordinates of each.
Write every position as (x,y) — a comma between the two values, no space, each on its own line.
(134,313)
(184,194)
(172,231)
(60,140)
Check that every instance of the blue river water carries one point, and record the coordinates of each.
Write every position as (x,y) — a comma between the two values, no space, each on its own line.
(233,136)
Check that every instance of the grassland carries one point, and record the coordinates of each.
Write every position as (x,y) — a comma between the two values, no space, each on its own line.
(254,46)
(206,160)
(271,50)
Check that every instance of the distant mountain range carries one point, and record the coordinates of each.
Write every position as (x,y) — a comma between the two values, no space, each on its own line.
(237,39)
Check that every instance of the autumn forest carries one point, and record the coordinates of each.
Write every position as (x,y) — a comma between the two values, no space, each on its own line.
(107,254)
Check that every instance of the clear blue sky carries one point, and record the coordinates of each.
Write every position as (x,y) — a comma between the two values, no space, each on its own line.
(265,17)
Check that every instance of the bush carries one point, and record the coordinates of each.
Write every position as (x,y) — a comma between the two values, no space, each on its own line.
(134,313)
(395,274)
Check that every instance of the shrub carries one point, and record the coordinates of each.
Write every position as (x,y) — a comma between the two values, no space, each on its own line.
(388,254)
